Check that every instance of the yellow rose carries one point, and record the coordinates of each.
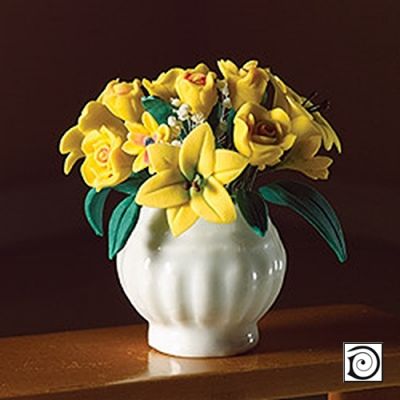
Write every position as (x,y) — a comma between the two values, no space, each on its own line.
(247,84)
(262,135)
(197,87)
(123,99)
(164,85)
(142,135)
(97,137)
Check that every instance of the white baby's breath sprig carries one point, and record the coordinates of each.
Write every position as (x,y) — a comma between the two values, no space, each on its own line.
(183,112)
(175,101)
(198,118)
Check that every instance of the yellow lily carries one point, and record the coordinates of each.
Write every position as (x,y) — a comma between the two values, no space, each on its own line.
(262,135)
(246,84)
(142,135)
(123,99)
(197,87)
(189,180)
(164,85)
(94,115)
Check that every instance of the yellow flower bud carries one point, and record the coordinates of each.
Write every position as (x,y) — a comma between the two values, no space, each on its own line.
(123,99)
(197,87)
(247,84)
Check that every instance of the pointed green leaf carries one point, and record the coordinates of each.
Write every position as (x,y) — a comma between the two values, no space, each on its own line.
(122,222)
(313,207)
(158,108)
(254,210)
(94,208)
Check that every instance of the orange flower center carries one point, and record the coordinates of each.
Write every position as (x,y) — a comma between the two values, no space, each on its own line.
(197,78)
(103,154)
(122,88)
(265,128)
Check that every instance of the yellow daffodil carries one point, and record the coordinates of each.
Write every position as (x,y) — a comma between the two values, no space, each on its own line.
(190,179)
(164,85)
(197,87)
(262,135)
(246,84)
(93,117)
(304,122)
(311,131)
(303,158)
(123,99)
(142,135)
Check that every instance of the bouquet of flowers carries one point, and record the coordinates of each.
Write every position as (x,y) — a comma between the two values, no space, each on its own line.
(192,142)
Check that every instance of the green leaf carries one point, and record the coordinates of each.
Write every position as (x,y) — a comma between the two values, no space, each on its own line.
(254,211)
(122,222)
(94,208)
(313,207)
(268,97)
(158,108)
(215,115)
(132,184)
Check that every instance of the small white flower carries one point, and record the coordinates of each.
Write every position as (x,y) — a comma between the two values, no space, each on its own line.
(227,102)
(198,118)
(183,112)
(223,87)
(172,121)
(176,143)
(222,126)
(175,101)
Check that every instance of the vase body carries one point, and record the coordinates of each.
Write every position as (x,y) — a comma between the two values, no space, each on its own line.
(204,291)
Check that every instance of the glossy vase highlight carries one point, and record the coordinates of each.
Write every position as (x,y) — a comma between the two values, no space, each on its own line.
(204,291)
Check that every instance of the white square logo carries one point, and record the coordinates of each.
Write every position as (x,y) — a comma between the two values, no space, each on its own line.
(362,362)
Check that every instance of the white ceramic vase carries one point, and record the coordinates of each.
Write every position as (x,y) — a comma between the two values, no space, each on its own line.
(203,292)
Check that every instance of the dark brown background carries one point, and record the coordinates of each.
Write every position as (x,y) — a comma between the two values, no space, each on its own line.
(56,55)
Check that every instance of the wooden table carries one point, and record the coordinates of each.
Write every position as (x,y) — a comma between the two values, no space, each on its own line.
(300,354)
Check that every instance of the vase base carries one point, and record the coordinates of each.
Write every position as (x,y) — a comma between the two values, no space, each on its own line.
(202,341)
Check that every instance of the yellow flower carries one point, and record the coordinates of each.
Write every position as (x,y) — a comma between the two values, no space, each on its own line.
(311,130)
(189,180)
(123,99)
(142,135)
(247,84)
(106,164)
(304,122)
(303,158)
(197,87)
(93,117)
(262,135)
(164,85)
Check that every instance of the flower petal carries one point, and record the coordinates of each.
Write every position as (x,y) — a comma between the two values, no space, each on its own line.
(149,122)
(95,115)
(71,140)
(140,161)
(241,137)
(228,165)
(181,218)
(163,156)
(198,152)
(213,203)
(163,190)
(70,161)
